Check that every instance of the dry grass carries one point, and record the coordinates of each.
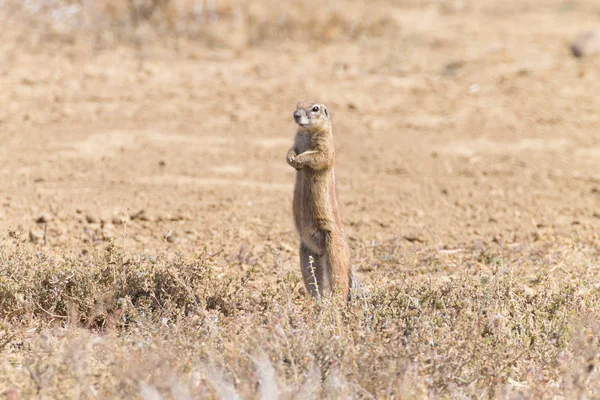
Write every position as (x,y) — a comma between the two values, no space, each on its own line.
(111,327)
(107,24)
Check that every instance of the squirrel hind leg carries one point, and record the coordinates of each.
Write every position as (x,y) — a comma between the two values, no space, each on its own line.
(313,273)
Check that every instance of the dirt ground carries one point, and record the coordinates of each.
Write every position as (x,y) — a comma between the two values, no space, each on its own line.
(465,126)
(463,131)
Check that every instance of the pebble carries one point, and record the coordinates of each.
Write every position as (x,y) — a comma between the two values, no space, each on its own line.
(36,235)
(164,216)
(108,232)
(415,236)
(44,218)
(586,44)
(119,219)
(286,247)
(140,215)
(171,236)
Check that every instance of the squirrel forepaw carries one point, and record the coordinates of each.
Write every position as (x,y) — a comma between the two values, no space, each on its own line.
(291,159)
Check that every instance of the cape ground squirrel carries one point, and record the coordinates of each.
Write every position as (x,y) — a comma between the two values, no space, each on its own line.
(324,251)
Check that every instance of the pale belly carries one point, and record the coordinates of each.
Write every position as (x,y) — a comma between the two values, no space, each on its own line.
(312,209)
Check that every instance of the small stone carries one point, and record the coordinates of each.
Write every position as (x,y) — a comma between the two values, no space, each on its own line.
(182,217)
(452,67)
(91,219)
(119,219)
(108,232)
(586,44)
(596,214)
(90,233)
(36,235)
(141,215)
(529,292)
(162,163)
(286,247)
(192,233)
(171,236)
(164,216)
(415,236)
(44,218)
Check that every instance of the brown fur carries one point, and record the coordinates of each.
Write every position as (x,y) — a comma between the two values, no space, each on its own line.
(316,205)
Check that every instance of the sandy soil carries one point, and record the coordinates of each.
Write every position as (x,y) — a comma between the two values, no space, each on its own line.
(466,128)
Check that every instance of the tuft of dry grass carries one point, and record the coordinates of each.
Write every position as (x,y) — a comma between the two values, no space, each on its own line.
(112,326)
(230,24)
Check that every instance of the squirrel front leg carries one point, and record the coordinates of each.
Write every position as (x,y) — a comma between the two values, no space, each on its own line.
(291,158)
(313,159)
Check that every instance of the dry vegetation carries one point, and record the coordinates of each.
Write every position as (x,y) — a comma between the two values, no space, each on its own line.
(468,173)
(111,23)
(117,327)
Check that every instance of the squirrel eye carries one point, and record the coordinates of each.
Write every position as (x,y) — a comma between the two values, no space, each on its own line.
(315,109)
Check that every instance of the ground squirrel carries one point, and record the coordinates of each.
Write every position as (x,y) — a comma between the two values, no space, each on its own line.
(324,251)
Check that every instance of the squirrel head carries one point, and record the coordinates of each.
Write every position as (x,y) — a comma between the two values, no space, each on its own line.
(312,116)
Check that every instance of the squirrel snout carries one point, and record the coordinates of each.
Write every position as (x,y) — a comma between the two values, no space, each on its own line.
(300,118)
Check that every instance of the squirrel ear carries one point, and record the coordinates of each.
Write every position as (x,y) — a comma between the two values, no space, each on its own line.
(325,111)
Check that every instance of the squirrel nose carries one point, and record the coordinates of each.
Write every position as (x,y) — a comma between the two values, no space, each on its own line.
(297,114)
